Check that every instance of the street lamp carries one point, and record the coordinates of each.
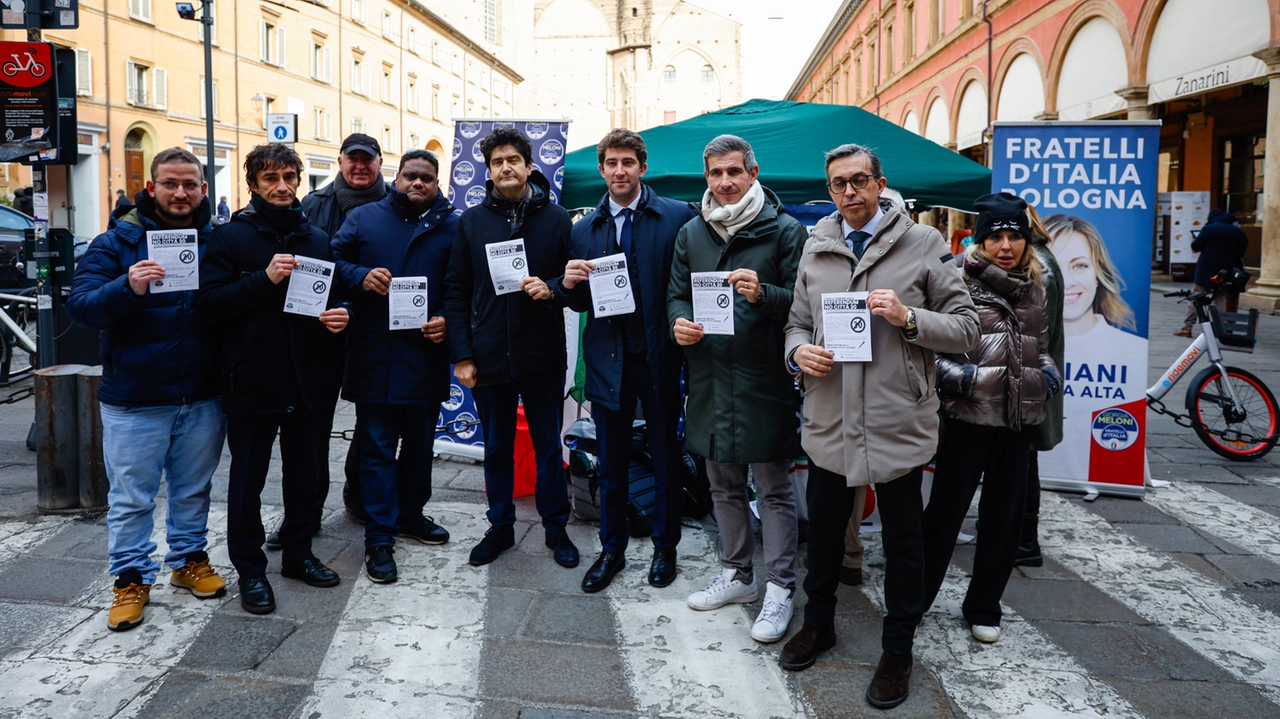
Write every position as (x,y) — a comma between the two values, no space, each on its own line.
(187,11)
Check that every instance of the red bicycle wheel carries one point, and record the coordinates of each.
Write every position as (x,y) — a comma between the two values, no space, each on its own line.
(1212,409)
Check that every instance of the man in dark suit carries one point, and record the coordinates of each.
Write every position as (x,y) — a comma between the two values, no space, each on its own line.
(630,357)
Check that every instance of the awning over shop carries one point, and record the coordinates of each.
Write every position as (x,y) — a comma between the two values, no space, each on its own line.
(1194,51)
(789,139)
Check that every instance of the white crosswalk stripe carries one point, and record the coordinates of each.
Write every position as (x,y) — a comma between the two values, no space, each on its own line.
(685,663)
(413,643)
(1247,527)
(1235,635)
(1024,675)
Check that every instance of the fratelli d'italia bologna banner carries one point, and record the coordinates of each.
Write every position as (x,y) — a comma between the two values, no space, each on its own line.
(1094,185)
(467,178)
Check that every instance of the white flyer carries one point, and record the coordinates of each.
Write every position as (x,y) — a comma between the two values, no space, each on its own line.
(508,265)
(712,302)
(309,286)
(408,303)
(178,252)
(611,287)
(846,326)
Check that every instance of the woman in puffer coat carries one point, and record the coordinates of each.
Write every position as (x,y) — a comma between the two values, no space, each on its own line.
(991,397)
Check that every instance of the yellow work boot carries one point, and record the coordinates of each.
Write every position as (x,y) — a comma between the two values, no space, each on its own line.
(131,597)
(197,577)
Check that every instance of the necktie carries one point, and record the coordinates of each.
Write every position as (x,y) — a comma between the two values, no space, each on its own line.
(857,241)
(624,237)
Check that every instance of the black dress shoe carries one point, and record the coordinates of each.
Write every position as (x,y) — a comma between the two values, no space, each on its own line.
(310,571)
(562,548)
(601,572)
(802,651)
(851,577)
(1029,555)
(256,596)
(494,542)
(662,571)
(425,530)
(890,684)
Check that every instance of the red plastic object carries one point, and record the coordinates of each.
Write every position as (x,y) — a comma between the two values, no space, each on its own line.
(525,463)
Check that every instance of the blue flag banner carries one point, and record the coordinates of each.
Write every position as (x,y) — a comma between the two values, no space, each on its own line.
(461,435)
(1094,185)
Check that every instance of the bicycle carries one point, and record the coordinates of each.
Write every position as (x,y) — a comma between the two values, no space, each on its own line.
(17,335)
(31,65)
(1231,410)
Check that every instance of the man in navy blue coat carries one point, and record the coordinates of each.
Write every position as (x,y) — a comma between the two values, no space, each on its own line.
(629,357)
(1221,245)
(506,336)
(161,415)
(397,373)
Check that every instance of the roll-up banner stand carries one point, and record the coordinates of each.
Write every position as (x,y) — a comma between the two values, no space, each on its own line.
(467,178)
(1094,185)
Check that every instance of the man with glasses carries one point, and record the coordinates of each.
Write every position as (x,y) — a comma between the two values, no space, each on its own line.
(873,420)
(159,394)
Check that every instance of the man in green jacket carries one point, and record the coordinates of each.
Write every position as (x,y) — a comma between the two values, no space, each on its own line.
(731,281)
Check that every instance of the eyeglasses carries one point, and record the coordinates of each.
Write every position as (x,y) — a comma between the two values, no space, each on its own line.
(172,185)
(839,184)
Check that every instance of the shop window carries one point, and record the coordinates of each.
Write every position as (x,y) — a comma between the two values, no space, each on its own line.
(1242,175)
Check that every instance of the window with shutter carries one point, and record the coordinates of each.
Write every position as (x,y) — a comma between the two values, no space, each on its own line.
(280,47)
(161,80)
(328,65)
(130,82)
(84,73)
(328,125)
(365,82)
(264,42)
(146,10)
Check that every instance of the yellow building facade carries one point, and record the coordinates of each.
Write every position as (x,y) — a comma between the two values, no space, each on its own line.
(396,71)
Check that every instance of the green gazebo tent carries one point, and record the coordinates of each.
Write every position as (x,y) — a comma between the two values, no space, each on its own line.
(789,139)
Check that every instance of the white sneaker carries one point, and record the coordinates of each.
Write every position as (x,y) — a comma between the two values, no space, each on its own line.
(990,635)
(722,590)
(772,623)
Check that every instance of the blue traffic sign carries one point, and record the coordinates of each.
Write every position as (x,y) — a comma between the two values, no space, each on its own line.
(281,132)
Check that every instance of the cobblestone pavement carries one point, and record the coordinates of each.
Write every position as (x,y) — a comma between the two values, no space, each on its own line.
(1160,608)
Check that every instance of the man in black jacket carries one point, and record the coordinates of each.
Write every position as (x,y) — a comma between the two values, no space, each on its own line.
(276,367)
(359,182)
(1221,245)
(506,336)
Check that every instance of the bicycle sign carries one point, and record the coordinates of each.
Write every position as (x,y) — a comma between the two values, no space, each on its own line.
(26,64)
(28,100)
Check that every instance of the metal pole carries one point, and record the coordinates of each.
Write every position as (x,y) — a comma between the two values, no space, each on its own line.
(207,22)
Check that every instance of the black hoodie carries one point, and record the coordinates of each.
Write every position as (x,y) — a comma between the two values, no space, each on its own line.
(512,335)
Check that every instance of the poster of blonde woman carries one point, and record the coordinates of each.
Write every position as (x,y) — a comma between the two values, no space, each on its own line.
(1094,185)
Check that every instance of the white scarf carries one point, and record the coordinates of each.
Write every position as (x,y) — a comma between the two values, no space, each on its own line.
(728,220)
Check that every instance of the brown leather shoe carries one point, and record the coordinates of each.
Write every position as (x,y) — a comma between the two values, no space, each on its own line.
(800,653)
(1182,332)
(889,686)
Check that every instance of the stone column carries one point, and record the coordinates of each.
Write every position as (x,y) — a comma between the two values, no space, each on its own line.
(1136,96)
(1265,296)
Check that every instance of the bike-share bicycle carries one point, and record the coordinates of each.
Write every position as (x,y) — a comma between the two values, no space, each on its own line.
(1231,410)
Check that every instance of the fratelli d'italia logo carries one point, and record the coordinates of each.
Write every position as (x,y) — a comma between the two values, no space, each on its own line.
(1115,429)
(464,172)
(551,151)
(456,398)
(536,130)
(457,149)
(504,126)
(469,129)
(474,196)
(477,154)
(558,178)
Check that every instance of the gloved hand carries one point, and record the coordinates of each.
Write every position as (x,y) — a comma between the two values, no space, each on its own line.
(1051,380)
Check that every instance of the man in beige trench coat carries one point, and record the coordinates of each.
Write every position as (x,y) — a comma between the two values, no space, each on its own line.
(872,422)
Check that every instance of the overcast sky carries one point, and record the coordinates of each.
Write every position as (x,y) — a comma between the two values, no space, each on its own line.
(777,37)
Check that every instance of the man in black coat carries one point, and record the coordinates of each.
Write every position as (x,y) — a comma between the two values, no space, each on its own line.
(276,366)
(506,336)
(397,370)
(1221,245)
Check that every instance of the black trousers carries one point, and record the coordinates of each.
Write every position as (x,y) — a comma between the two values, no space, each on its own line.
(998,456)
(250,438)
(324,428)
(830,506)
(1031,515)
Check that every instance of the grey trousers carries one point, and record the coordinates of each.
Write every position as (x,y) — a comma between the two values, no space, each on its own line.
(852,538)
(778,529)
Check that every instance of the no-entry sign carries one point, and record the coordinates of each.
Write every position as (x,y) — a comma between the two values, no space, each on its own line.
(28,99)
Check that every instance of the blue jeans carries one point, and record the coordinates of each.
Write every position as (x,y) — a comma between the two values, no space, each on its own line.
(543,399)
(613,434)
(138,445)
(394,489)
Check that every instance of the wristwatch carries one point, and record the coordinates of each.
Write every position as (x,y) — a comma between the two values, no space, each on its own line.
(910,327)
(761,298)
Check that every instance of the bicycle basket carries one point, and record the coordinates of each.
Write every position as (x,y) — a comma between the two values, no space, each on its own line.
(1235,330)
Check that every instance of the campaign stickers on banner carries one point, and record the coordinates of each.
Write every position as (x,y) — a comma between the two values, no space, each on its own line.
(551,151)
(464,172)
